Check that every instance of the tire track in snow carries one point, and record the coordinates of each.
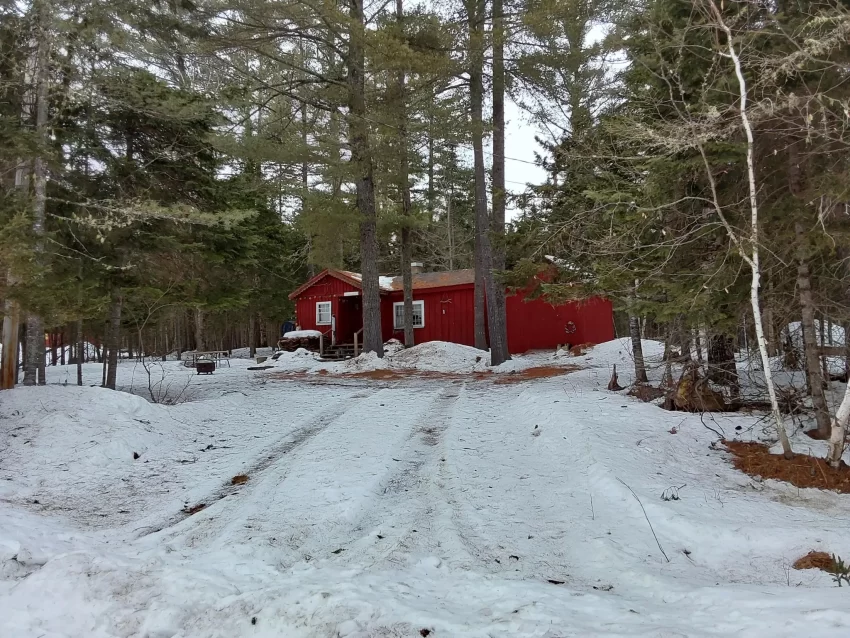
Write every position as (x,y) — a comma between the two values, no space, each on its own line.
(418,515)
(287,444)
(404,501)
(493,454)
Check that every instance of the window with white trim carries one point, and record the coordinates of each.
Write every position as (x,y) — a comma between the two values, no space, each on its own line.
(418,315)
(323,313)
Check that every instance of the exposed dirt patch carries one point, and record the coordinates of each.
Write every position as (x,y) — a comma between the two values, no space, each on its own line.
(816,560)
(380,375)
(239,479)
(529,374)
(399,374)
(194,509)
(802,470)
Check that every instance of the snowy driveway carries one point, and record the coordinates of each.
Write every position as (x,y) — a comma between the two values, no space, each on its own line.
(399,508)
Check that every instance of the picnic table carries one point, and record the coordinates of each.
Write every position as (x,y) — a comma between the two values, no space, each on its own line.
(218,356)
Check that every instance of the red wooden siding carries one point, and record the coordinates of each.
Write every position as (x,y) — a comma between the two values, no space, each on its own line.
(326,289)
(449,315)
(537,324)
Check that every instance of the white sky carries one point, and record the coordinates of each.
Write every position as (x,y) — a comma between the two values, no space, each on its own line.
(520,145)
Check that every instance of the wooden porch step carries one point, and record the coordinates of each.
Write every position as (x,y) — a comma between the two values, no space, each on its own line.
(339,352)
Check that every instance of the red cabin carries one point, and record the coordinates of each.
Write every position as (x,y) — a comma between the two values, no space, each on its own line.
(443,310)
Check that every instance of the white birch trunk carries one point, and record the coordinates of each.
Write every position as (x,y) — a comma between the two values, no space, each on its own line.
(839,430)
(753,258)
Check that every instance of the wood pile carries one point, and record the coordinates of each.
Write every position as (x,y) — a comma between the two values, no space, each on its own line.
(292,344)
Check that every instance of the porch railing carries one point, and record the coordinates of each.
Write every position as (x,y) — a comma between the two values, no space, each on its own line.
(322,341)
(357,342)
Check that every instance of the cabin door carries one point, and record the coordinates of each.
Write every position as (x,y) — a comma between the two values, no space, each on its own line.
(349,319)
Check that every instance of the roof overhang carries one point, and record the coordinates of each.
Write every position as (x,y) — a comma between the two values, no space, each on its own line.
(336,274)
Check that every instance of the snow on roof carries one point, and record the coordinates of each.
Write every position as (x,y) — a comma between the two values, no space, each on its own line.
(385,283)
(421,280)
(301,334)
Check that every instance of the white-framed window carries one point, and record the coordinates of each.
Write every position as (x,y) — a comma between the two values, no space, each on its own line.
(323,313)
(418,315)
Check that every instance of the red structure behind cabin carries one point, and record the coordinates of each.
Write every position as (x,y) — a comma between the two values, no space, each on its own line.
(444,311)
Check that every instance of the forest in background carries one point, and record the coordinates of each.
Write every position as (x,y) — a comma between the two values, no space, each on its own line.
(170,171)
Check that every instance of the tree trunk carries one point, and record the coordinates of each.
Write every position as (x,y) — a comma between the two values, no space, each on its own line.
(404,192)
(683,338)
(252,335)
(42,362)
(104,356)
(485,284)
(449,228)
(8,371)
(431,189)
(722,368)
(200,337)
(667,379)
(34,368)
(637,350)
(810,344)
(22,343)
(637,345)
(480,305)
(114,345)
(838,432)
(81,351)
(753,259)
(496,301)
(361,160)
(847,351)
(35,332)
(698,344)
(407,282)
(475,14)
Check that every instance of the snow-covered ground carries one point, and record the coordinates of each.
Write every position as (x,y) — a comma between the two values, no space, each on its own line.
(372,508)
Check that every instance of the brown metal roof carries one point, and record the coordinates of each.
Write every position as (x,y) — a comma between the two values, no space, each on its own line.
(438,279)
(421,281)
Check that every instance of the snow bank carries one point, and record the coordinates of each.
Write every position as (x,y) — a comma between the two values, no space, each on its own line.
(302,334)
(365,362)
(393,346)
(619,352)
(91,442)
(440,356)
(302,360)
(432,356)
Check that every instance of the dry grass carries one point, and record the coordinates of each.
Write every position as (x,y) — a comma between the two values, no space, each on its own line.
(239,479)
(816,560)
(802,470)
(581,349)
